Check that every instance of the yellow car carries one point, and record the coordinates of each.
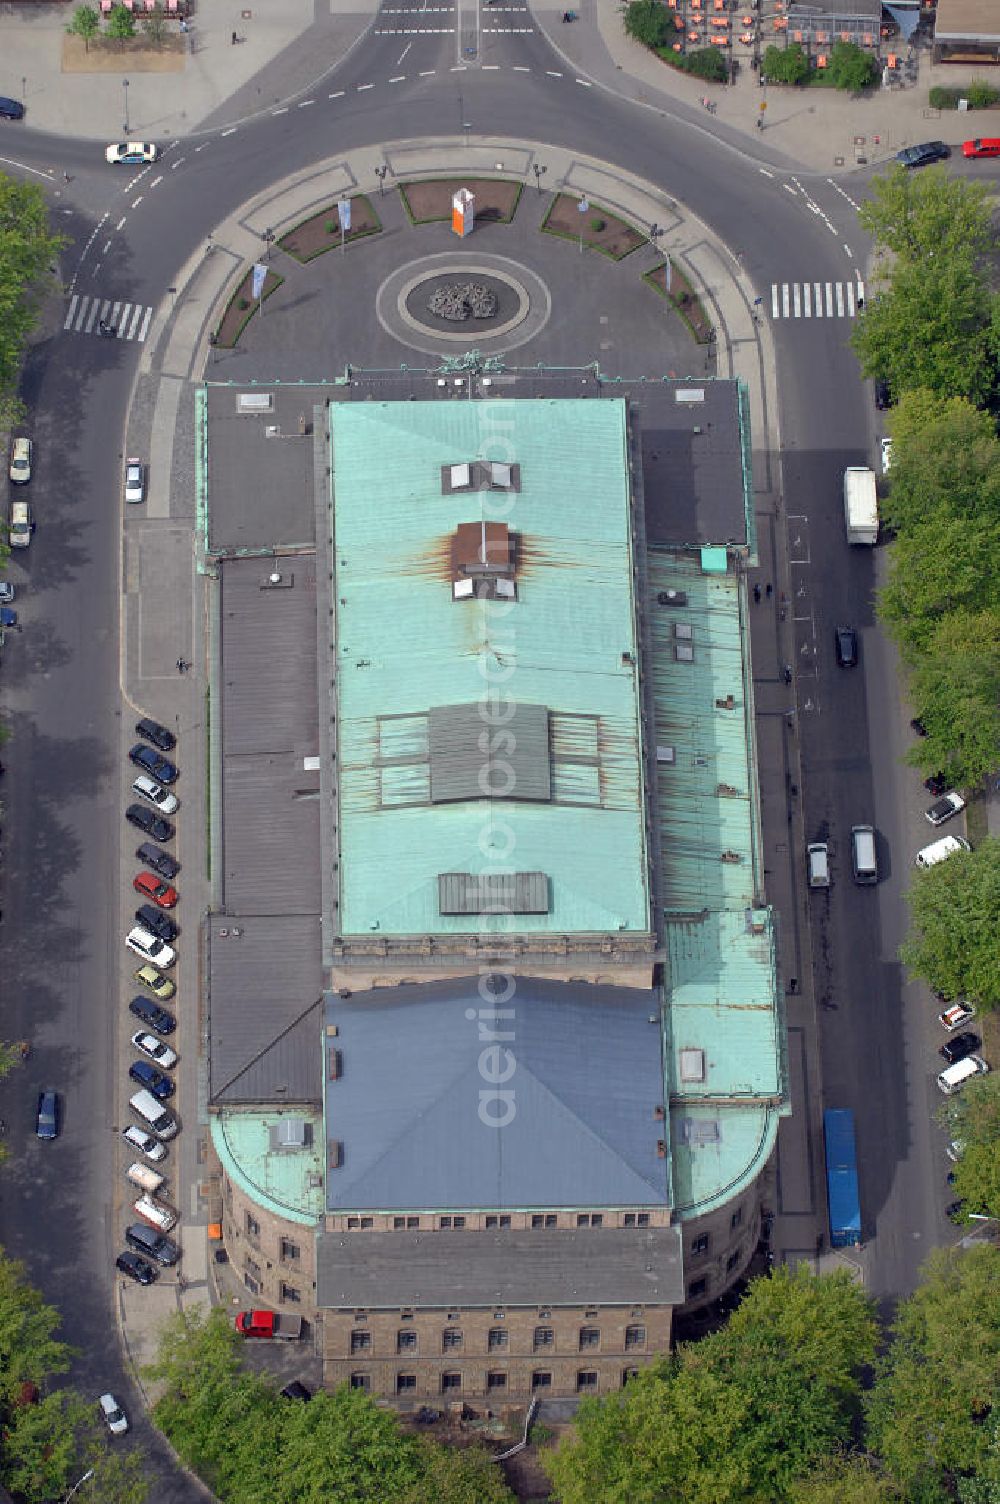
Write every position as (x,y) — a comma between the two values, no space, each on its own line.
(159,985)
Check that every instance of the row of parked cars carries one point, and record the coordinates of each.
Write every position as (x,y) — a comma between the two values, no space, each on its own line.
(147,1245)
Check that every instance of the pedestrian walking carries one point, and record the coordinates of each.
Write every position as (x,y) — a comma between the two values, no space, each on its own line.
(756,594)
(770,590)
(182,666)
(234,39)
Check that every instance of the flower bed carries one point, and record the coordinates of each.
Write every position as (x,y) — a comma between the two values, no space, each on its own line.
(599,230)
(321,231)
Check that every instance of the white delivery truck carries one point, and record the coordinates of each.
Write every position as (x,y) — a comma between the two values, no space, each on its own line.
(860,506)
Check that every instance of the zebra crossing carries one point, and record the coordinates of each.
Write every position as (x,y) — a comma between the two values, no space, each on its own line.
(817,300)
(411,14)
(85,313)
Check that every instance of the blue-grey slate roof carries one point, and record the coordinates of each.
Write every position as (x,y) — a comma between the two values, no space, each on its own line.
(415,1104)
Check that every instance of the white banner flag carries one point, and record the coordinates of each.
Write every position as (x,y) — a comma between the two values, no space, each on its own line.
(259,274)
(344,211)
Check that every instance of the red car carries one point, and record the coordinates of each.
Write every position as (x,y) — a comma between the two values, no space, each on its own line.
(151,886)
(987,146)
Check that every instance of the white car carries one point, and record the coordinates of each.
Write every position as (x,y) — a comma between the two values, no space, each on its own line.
(6,593)
(149,1045)
(114,1415)
(943,809)
(20,461)
(144,1142)
(135,480)
(148,788)
(21,525)
(131,153)
(886,455)
(955,1015)
(149,948)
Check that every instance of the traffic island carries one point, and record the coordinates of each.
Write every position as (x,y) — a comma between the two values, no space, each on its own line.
(321,232)
(595,228)
(242,306)
(427,201)
(683,298)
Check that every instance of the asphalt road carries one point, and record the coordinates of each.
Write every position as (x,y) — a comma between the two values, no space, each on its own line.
(61,955)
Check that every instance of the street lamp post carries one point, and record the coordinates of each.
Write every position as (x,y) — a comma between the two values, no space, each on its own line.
(380,173)
(88,1474)
(24,89)
(125,92)
(268,239)
(213,342)
(539,170)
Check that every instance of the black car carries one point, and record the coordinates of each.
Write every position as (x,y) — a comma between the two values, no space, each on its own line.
(960,1045)
(153,1015)
(153,1080)
(154,919)
(937,783)
(153,732)
(918,726)
(136,1267)
(149,822)
(847,646)
(11,109)
(919,156)
(296,1390)
(147,1240)
(161,862)
(47,1117)
(152,763)
(883,396)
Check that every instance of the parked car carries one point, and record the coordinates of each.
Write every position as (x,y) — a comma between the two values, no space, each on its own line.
(159,985)
(151,886)
(114,1415)
(847,646)
(959,1046)
(153,1080)
(47,1116)
(160,861)
(153,1244)
(296,1390)
(988,146)
(943,809)
(20,461)
(955,1149)
(921,155)
(159,924)
(136,1267)
(21,525)
(131,153)
(153,732)
(918,726)
(153,762)
(8,616)
(148,788)
(936,783)
(11,109)
(135,480)
(149,822)
(886,454)
(883,393)
(6,592)
(148,1044)
(956,1014)
(152,1015)
(149,947)
(138,1138)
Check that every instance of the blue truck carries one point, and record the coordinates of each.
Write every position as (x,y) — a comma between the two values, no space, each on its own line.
(843,1204)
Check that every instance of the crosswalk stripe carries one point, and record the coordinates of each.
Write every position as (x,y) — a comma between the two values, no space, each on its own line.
(93,316)
(137,315)
(784,299)
(849,295)
(807,300)
(816,300)
(861,295)
(84,313)
(144,327)
(774,300)
(840,300)
(72,309)
(829,300)
(796,304)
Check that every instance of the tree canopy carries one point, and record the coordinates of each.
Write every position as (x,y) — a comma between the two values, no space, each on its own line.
(27,250)
(955,916)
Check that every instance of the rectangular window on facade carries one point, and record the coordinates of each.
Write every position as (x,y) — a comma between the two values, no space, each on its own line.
(537,1220)
(635,1336)
(497,1338)
(251,1284)
(492,1222)
(444,1222)
(697,1287)
(360,1381)
(629,1373)
(582,1219)
(405,1381)
(586,1379)
(736,1218)
(642,1220)
(700,1243)
(451,1339)
(629,1219)
(458,1221)
(397,1223)
(590,1336)
(597,1219)
(254,1269)
(541,1380)
(496,1381)
(733,1259)
(367,1221)
(406,1341)
(289,1251)
(450,1381)
(544,1314)
(413,1222)
(544,1337)
(504,1220)
(551,1219)
(361,1342)
(290,1295)
(253,1227)
(353,1223)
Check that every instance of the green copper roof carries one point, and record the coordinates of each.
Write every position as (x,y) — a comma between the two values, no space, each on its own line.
(416,666)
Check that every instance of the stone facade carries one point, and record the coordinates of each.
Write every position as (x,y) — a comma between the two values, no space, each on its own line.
(273,1256)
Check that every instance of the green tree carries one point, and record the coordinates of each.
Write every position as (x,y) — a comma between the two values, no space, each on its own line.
(649,22)
(155,26)
(86,23)
(786,65)
(955,686)
(42,1446)
(450,1476)
(121,25)
(973,1118)
(27,250)
(850,68)
(954,917)
(945,455)
(118,1478)
(29,1349)
(923,216)
(939,1379)
(846,1479)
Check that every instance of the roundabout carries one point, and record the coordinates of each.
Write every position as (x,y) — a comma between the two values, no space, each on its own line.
(522,309)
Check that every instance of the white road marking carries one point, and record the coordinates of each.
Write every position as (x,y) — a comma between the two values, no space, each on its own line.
(784,300)
(517,69)
(74,300)
(145,325)
(230,132)
(399,79)
(338,95)
(774,300)
(305,103)
(807,300)
(136,202)
(491,67)
(122,221)
(282,111)
(363,87)
(550,73)
(176,163)
(156,180)
(796,303)
(403,53)
(583,82)
(427,73)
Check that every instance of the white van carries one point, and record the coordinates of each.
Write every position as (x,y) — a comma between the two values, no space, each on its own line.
(162,1122)
(145,1178)
(864,863)
(818,864)
(963,1070)
(938,851)
(161,1216)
